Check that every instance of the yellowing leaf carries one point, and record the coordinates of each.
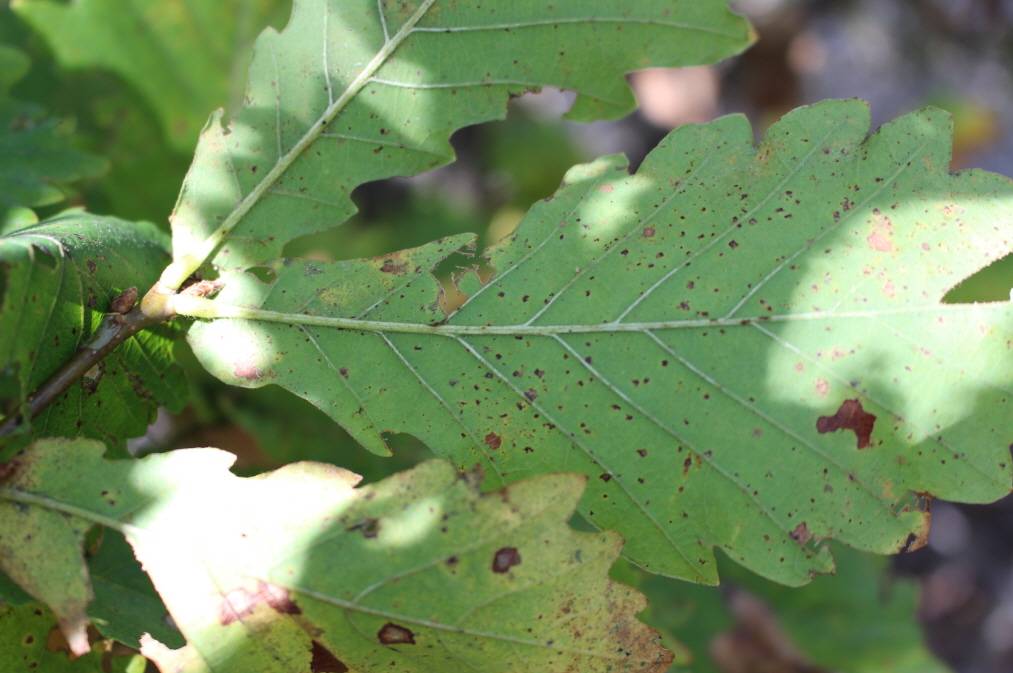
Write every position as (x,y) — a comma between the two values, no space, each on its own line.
(416,573)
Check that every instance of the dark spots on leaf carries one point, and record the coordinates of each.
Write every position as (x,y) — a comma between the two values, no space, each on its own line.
(392,634)
(642,453)
(91,265)
(850,416)
(504,559)
(344,372)
(493,441)
(240,603)
(605,476)
(801,534)
(324,661)
(369,528)
(531,394)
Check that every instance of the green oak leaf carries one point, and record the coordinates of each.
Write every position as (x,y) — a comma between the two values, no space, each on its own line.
(126,606)
(352,92)
(25,645)
(57,280)
(183,57)
(272,573)
(860,620)
(37,158)
(742,347)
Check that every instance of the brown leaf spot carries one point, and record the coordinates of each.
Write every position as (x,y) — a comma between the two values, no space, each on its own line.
(493,441)
(505,559)
(850,416)
(240,603)
(370,528)
(801,534)
(324,661)
(531,394)
(124,301)
(392,634)
(392,266)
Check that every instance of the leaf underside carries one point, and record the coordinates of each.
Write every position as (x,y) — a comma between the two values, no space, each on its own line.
(743,347)
(271,573)
(356,91)
(57,280)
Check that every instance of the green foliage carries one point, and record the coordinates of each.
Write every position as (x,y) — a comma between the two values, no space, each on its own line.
(57,280)
(181,56)
(859,620)
(754,348)
(37,158)
(360,91)
(689,337)
(266,573)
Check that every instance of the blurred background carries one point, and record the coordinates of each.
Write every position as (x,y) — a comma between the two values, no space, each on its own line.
(897,54)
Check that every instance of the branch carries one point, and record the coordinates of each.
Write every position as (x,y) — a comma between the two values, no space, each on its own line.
(122,323)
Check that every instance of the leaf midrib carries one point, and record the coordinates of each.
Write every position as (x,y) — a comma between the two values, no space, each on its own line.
(209,309)
(177,272)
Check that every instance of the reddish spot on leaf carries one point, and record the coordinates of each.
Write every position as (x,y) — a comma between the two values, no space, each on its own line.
(822,387)
(606,189)
(850,416)
(505,559)
(493,441)
(649,232)
(248,371)
(240,603)
(392,634)
(881,238)
(801,534)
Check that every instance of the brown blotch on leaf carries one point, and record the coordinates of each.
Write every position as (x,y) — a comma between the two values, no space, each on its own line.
(240,603)
(369,528)
(801,534)
(392,266)
(392,634)
(850,416)
(324,661)
(504,559)
(124,301)
(493,441)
